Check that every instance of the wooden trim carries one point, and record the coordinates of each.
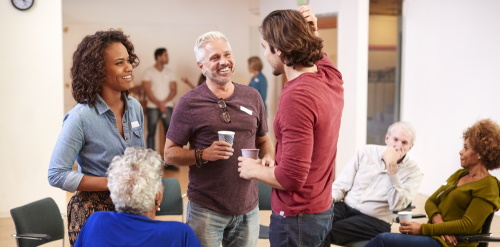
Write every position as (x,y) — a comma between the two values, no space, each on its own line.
(382,47)
(328,22)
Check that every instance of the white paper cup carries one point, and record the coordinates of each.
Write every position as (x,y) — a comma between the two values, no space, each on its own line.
(250,153)
(404,216)
(227,136)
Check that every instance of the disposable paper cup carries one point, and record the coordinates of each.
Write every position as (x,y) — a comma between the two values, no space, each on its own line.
(250,153)
(404,216)
(227,136)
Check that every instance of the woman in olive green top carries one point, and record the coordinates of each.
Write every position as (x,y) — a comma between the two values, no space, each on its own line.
(463,204)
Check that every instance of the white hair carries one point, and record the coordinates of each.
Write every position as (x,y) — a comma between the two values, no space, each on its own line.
(199,52)
(406,127)
(134,179)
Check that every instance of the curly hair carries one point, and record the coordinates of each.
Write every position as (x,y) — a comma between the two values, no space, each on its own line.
(134,179)
(88,70)
(484,138)
(288,32)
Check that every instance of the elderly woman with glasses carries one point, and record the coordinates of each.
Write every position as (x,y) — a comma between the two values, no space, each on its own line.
(462,205)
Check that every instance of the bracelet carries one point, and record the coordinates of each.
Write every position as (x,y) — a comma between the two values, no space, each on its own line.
(198,153)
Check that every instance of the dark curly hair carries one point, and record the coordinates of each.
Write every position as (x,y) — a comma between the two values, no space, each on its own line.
(88,70)
(288,31)
(484,138)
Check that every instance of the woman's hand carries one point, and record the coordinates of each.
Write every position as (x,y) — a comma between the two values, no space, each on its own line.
(447,238)
(437,219)
(410,227)
(450,238)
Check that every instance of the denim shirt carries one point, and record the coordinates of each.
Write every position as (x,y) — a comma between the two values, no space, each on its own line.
(90,136)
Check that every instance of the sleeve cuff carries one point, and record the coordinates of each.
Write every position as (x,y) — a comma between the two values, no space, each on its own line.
(72,181)
(396,182)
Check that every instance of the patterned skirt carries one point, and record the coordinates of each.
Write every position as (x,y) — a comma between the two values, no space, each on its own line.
(81,205)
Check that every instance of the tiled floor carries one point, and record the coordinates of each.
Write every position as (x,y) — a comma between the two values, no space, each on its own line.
(7,226)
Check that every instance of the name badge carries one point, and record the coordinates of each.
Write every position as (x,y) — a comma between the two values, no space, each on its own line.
(135,124)
(248,111)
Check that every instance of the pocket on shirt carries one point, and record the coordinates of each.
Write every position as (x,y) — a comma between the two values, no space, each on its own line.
(138,132)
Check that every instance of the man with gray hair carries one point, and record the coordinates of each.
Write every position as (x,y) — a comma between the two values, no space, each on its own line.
(377,181)
(222,207)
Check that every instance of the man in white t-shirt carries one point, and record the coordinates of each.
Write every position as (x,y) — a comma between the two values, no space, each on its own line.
(160,88)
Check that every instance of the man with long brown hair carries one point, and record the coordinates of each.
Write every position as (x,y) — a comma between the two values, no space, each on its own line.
(306,127)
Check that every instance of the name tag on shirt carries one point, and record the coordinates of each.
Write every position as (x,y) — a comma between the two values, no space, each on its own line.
(135,124)
(248,111)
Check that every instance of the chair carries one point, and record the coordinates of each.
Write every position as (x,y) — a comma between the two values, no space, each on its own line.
(484,237)
(172,203)
(264,204)
(38,223)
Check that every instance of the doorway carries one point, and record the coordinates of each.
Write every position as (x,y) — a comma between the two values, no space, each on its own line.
(383,69)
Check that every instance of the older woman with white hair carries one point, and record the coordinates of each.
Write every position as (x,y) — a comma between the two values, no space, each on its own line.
(134,181)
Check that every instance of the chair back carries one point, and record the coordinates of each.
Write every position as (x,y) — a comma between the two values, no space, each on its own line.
(171,203)
(486,229)
(264,196)
(41,217)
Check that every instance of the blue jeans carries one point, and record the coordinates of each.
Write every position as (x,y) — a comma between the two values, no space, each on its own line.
(154,114)
(387,239)
(213,228)
(300,230)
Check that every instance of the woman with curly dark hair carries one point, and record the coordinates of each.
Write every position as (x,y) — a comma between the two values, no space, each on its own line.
(461,206)
(102,125)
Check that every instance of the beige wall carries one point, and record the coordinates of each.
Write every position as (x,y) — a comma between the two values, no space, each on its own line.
(450,78)
(31,104)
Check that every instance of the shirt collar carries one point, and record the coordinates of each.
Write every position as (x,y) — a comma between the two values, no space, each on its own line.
(405,159)
(102,107)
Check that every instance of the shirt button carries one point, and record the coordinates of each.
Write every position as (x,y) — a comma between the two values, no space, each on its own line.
(126,138)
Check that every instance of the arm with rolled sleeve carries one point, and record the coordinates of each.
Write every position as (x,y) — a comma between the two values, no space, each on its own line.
(405,184)
(343,184)
(68,145)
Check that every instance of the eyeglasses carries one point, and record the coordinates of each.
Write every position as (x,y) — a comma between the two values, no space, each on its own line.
(225,114)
